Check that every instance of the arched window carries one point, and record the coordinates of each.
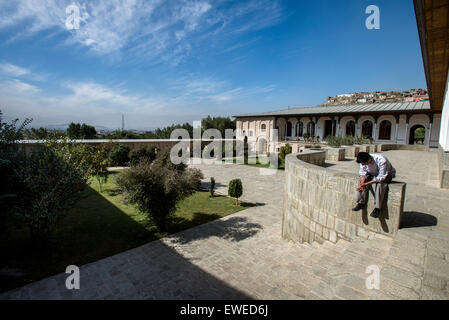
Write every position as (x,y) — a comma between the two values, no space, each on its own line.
(311,128)
(289,129)
(350,128)
(385,130)
(263,128)
(299,129)
(367,129)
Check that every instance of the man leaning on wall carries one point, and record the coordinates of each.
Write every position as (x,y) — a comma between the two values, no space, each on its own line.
(375,169)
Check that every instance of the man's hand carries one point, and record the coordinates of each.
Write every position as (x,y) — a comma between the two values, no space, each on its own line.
(363,185)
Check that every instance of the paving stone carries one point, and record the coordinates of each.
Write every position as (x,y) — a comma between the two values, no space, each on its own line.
(243,256)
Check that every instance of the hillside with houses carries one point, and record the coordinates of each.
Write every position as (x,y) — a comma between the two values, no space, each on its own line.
(378,97)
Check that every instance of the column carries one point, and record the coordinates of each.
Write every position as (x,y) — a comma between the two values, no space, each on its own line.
(376,131)
(407,134)
(397,128)
(429,133)
(356,120)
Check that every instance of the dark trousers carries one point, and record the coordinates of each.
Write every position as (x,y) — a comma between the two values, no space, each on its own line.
(381,189)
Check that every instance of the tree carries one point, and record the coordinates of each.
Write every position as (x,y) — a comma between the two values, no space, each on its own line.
(74,131)
(87,132)
(235,189)
(157,189)
(219,123)
(118,156)
(11,157)
(285,150)
(420,135)
(245,150)
(99,165)
(148,153)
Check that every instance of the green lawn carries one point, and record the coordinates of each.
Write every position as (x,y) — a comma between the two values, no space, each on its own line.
(100,225)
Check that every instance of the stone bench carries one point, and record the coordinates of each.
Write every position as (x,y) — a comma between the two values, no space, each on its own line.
(318,203)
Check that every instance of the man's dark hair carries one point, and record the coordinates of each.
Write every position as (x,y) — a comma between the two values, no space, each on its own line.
(363,157)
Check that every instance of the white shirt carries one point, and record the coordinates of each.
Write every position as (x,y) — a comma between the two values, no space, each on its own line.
(379,168)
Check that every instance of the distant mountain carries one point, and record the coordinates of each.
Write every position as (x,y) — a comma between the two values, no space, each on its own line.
(57,127)
(63,127)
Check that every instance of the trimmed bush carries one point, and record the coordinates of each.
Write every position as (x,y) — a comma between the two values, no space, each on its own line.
(235,189)
(118,156)
(212,186)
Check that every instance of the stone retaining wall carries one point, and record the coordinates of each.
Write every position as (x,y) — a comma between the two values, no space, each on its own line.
(318,203)
(351,151)
(370,148)
(387,147)
(335,154)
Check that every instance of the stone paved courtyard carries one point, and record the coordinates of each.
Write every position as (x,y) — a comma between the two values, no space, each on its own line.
(242,256)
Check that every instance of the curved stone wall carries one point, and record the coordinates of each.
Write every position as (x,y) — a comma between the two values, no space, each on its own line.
(318,203)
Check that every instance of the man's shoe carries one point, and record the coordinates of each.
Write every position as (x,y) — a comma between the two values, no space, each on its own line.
(375,213)
(358,207)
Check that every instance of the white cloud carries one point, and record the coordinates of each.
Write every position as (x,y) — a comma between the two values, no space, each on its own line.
(18,87)
(163,30)
(13,70)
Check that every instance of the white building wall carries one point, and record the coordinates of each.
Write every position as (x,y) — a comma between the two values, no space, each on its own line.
(252,128)
(435,130)
(444,129)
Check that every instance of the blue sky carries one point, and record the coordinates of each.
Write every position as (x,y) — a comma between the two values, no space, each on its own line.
(163,62)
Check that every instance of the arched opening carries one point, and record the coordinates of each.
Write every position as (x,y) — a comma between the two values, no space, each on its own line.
(299,129)
(350,128)
(311,128)
(417,134)
(385,130)
(367,129)
(289,129)
(263,128)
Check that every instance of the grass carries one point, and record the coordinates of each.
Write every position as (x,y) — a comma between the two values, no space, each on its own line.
(100,225)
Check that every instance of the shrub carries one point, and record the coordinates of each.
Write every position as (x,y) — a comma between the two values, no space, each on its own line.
(163,160)
(347,140)
(148,153)
(157,189)
(118,156)
(359,140)
(285,150)
(235,189)
(212,186)
(333,141)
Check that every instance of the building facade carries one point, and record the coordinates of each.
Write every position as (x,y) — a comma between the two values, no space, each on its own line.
(386,123)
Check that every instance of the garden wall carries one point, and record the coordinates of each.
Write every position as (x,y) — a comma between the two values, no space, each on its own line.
(133,144)
(318,203)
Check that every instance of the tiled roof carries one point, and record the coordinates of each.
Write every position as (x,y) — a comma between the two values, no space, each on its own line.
(348,108)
